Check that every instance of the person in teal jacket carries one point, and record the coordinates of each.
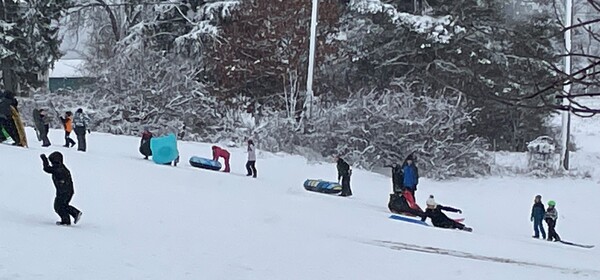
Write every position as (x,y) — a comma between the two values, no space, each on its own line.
(538,211)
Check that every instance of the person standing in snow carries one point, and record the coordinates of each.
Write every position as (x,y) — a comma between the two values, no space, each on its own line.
(551,217)
(45,129)
(221,153)
(410,175)
(61,176)
(145,143)
(67,122)
(439,219)
(42,125)
(538,212)
(81,121)
(251,164)
(344,173)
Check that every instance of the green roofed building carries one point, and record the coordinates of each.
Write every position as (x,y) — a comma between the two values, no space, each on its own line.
(68,74)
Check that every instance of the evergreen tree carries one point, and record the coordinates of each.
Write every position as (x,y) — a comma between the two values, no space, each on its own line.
(29,40)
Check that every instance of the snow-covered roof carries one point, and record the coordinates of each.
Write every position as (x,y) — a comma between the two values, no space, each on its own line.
(68,68)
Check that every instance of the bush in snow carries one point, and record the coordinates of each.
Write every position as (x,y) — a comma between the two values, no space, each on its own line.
(379,128)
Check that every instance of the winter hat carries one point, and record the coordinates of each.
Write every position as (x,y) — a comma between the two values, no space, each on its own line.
(431,201)
(250,142)
(79,110)
(551,203)
(56,158)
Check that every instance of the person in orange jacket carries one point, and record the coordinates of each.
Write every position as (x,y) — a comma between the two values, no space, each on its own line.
(67,122)
(221,153)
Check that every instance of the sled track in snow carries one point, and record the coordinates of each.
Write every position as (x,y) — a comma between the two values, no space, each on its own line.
(458,254)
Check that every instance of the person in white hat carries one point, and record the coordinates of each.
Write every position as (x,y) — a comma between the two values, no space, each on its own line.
(439,219)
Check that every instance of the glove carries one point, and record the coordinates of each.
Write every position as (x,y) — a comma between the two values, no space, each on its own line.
(459,211)
(43,157)
(532,219)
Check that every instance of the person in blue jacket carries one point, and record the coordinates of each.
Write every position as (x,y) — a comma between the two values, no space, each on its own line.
(538,211)
(411,174)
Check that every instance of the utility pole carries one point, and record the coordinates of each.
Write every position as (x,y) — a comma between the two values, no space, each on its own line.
(566,115)
(311,60)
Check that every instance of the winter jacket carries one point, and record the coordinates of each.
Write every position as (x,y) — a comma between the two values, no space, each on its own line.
(343,169)
(145,144)
(61,176)
(219,153)
(251,152)
(67,123)
(551,213)
(538,211)
(397,178)
(81,120)
(411,176)
(6,101)
(438,218)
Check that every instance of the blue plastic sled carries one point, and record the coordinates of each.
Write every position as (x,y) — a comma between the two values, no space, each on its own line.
(205,163)
(322,186)
(164,149)
(409,220)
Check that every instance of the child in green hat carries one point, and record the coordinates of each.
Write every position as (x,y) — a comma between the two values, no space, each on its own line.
(551,217)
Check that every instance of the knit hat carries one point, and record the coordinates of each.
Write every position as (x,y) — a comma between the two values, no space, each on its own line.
(431,201)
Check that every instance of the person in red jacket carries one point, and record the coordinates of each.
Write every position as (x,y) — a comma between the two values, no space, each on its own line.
(221,153)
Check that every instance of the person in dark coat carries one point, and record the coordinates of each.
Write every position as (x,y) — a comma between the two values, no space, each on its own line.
(397,179)
(551,217)
(145,143)
(344,173)
(81,122)
(538,211)
(439,219)
(67,122)
(42,125)
(410,174)
(8,100)
(61,176)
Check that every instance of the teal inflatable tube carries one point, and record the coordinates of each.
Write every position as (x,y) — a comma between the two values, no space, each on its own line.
(164,149)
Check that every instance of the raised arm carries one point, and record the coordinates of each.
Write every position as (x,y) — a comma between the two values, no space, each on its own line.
(46,165)
(450,209)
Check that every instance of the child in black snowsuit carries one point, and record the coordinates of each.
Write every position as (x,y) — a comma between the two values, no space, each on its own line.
(439,219)
(61,176)
(538,211)
(551,217)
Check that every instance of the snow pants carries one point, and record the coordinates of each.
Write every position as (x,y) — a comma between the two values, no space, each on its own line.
(538,227)
(63,209)
(449,223)
(552,234)
(81,143)
(227,167)
(11,128)
(44,136)
(68,141)
(251,168)
(346,191)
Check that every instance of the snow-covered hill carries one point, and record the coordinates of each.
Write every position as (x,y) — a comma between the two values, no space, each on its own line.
(145,221)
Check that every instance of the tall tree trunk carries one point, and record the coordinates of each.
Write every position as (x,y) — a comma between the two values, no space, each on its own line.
(8,11)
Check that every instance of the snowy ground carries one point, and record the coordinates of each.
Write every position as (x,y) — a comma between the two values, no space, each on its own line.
(145,221)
